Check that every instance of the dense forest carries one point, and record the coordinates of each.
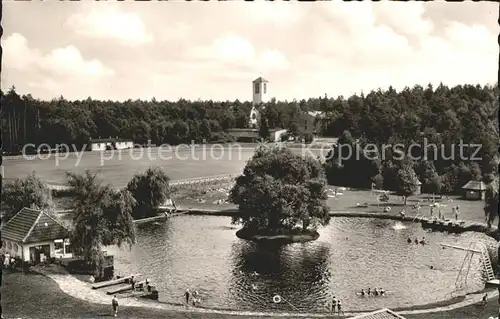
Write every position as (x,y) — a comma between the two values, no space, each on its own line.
(443,115)
(462,111)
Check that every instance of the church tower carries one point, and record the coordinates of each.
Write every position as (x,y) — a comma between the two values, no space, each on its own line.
(260,95)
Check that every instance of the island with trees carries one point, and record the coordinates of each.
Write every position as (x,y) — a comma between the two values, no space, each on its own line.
(281,197)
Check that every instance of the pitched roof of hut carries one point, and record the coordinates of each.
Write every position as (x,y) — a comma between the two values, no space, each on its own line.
(380,314)
(32,226)
(475,186)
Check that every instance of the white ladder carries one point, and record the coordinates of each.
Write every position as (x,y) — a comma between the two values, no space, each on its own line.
(485,260)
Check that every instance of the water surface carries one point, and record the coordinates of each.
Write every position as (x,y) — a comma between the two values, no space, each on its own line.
(203,253)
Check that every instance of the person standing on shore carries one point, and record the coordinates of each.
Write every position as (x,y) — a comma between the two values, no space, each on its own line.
(187,295)
(334,304)
(114,303)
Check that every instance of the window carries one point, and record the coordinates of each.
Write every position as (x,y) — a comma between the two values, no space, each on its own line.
(265,88)
(257,88)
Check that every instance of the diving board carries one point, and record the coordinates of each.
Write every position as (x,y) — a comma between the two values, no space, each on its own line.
(461,248)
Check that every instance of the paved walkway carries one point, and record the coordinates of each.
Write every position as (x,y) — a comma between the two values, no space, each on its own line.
(83,291)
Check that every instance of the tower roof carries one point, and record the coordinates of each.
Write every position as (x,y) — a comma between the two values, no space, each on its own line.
(260,80)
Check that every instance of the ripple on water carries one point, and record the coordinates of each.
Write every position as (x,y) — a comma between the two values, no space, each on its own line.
(203,253)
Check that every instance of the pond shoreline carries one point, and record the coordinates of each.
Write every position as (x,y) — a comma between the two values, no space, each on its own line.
(442,226)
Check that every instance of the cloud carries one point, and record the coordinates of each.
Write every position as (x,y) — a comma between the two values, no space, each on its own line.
(63,61)
(403,18)
(239,52)
(274,12)
(110,23)
(304,50)
(351,60)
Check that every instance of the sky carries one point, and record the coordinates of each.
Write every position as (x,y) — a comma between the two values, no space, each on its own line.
(214,50)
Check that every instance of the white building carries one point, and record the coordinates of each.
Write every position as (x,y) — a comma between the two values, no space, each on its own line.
(33,236)
(260,95)
(103,144)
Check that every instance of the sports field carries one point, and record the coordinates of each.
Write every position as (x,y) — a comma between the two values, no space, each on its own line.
(117,168)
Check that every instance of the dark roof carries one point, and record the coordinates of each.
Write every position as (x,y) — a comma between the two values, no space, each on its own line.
(380,314)
(475,186)
(33,225)
(260,79)
(109,140)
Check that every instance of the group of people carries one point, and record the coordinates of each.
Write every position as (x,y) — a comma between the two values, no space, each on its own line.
(192,297)
(337,306)
(8,261)
(140,286)
(422,241)
(374,292)
(455,210)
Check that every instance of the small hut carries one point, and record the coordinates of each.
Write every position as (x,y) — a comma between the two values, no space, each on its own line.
(474,190)
(34,236)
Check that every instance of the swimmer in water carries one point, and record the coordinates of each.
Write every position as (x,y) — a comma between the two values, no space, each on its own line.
(409,240)
(416,240)
(382,291)
(376,292)
(369,292)
(363,293)
(423,241)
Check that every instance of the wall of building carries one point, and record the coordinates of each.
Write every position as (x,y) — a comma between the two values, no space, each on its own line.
(26,249)
(119,145)
(124,145)
(14,249)
(474,195)
(17,250)
(309,124)
(244,134)
(276,135)
(254,118)
(260,92)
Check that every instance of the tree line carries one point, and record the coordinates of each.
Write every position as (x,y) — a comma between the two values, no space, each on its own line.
(464,111)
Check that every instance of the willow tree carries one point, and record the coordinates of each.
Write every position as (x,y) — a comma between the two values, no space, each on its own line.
(280,192)
(102,217)
(491,202)
(150,189)
(25,192)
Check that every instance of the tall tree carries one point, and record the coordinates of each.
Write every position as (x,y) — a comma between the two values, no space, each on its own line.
(407,182)
(30,191)
(102,217)
(279,191)
(150,190)
(264,128)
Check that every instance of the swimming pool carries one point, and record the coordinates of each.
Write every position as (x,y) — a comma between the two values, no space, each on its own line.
(203,253)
